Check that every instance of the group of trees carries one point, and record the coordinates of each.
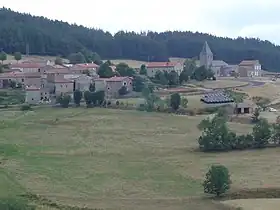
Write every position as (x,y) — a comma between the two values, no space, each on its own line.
(3,56)
(216,135)
(154,102)
(85,56)
(91,97)
(47,37)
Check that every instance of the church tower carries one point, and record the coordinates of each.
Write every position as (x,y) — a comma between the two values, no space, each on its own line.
(206,56)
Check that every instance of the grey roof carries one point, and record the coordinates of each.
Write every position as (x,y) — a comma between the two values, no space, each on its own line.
(244,105)
(219,63)
(206,49)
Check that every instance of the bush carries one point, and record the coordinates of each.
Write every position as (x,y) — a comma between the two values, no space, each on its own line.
(217,180)
(175,101)
(123,90)
(64,101)
(261,133)
(25,107)
(14,204)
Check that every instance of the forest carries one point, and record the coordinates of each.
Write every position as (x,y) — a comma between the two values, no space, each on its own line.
(57,38)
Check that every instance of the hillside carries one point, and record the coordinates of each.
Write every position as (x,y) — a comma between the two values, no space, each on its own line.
(46,37)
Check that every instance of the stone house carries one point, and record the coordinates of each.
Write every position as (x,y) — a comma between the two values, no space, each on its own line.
(112,85)
(153,67)
(32,95)
(228,71)
(91,68)
(83,82)
(60,86)
(243,108)
(26,79)
(28,67)
(253,68)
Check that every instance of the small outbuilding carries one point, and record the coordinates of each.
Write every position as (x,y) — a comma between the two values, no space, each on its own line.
(243,108)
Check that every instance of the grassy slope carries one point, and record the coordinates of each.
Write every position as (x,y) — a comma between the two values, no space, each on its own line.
(119,159)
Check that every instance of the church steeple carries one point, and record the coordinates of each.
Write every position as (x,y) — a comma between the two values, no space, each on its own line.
(206,49)
(206,56)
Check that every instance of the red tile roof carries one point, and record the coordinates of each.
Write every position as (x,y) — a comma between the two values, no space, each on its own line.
(113,79)
(161,64)
(27,65)
(58,70)
(249,62)
(62,80)
(16,74)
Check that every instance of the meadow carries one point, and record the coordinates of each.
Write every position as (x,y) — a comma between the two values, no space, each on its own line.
(114,159)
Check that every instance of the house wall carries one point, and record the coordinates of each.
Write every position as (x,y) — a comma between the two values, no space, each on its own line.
(100,85)
(32,81)
(113,87)
(28,70)
(243,72)
(32,96)
(61,88)
(253,70)
(44,94)
(83,83)
(205,60)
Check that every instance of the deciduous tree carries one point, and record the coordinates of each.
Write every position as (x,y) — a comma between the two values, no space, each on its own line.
(217,180)
(17,56)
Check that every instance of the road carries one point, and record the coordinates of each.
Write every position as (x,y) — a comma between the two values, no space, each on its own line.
(252,83)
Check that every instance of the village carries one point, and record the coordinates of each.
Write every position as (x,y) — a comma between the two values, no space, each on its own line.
(43,81)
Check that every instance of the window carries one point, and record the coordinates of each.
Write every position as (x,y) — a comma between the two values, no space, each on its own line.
(124,83)
(61,86)
(66,86)
(22,80)
(32,99)
(108,88)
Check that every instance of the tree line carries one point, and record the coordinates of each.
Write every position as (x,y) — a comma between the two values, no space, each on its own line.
(47,37)
(216,135)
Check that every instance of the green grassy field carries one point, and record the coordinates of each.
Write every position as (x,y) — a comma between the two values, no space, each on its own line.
(115,159)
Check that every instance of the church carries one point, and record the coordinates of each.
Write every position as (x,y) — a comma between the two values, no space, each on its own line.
(206,59)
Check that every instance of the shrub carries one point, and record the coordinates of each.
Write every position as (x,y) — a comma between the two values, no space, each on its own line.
(217,180)
(25,107)
(123,90)
(184,102)
(261,133)
(175,101)
(64,101)
(14,204)
(77,97)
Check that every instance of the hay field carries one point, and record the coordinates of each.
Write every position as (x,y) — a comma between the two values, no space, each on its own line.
(32,58)
(255,204)
(131,63)
(220,83)
(113,159)
(267,90)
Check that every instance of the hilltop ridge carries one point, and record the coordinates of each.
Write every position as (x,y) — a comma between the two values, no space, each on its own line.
(48,37)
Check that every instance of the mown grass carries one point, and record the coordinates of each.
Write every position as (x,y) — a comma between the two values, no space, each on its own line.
(116,159)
